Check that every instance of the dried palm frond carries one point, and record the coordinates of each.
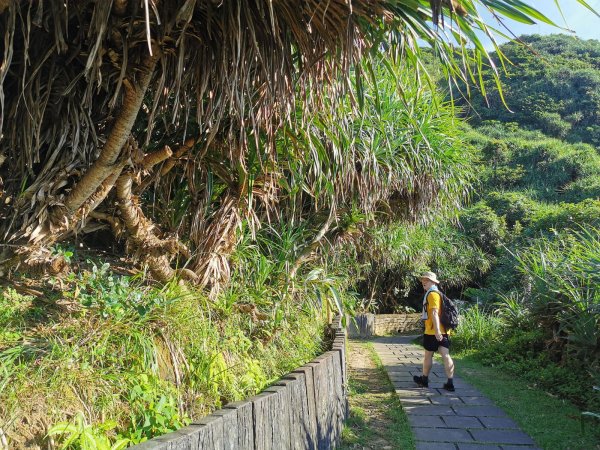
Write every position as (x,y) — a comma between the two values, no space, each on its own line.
(77,79)
(214,242)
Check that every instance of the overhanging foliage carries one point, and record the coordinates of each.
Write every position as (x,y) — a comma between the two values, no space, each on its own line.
(175,103)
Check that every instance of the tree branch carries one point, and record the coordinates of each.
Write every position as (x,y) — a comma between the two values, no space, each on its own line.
(105,164)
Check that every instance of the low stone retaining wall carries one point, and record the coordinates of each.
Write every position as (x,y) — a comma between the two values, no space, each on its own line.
(305,410)
(397,323)
(368,325)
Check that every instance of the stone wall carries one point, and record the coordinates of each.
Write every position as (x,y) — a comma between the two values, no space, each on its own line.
(397,323)
(368,325)
(305,410)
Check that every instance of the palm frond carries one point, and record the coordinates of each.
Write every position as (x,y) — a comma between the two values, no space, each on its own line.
(78,80)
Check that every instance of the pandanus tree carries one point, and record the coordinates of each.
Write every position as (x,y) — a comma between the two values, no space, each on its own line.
(161,119)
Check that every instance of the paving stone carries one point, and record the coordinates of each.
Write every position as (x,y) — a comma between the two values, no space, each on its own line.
(519,447)
(420,445)
(445,393)
(433,375)
(405,377)
(483,411)
(426,421)
(445,400)
(462,422)
(442,434)
(406,401)
(401,377)
(498,422)
(477,447)
(429,410)
(437,383)
(476,400)
(403,384)
(462,392)
(502,436)
(397,368)
(415,392)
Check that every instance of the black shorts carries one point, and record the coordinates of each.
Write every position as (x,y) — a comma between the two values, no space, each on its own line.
(432,344)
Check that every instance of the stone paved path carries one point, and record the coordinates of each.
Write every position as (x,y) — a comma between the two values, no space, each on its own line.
(441,420)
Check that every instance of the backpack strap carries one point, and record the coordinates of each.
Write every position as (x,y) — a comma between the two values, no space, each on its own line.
(441,297)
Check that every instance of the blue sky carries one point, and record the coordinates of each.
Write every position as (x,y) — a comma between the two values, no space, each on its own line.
(585,24)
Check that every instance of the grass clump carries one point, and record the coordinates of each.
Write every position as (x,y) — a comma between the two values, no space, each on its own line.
(546,328)
(116,361)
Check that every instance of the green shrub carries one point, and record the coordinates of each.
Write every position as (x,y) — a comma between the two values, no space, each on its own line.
(552,124)
(517,350)
(154,404)
(582,189)
(148,358)
(481,224)
(522,353)
(505,177)
(524,159)
(515,206)
(496,151)
(552,165)
(514,311)
(477,328)
(398,252)
(565,215)
(454,258)
(561,279)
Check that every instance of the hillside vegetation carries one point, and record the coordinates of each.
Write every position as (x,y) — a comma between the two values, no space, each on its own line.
(552,85)
(183,186)
(535,216)
(125,359)
(523,254)
(164,254)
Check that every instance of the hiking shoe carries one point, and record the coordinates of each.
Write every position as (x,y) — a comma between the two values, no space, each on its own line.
(421,381)
(449,387)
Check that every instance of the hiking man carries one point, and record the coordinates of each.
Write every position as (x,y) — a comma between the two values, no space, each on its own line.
(435,337)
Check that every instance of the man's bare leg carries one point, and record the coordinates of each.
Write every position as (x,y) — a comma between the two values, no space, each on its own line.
(447,360)
(427,362)
(448,367)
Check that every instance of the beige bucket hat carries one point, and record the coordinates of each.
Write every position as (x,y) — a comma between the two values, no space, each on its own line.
(430,276)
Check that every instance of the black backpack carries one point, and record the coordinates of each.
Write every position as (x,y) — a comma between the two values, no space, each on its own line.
(449,314)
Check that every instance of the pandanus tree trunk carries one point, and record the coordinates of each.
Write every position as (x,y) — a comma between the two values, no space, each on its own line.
(96,183)
(106,165)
